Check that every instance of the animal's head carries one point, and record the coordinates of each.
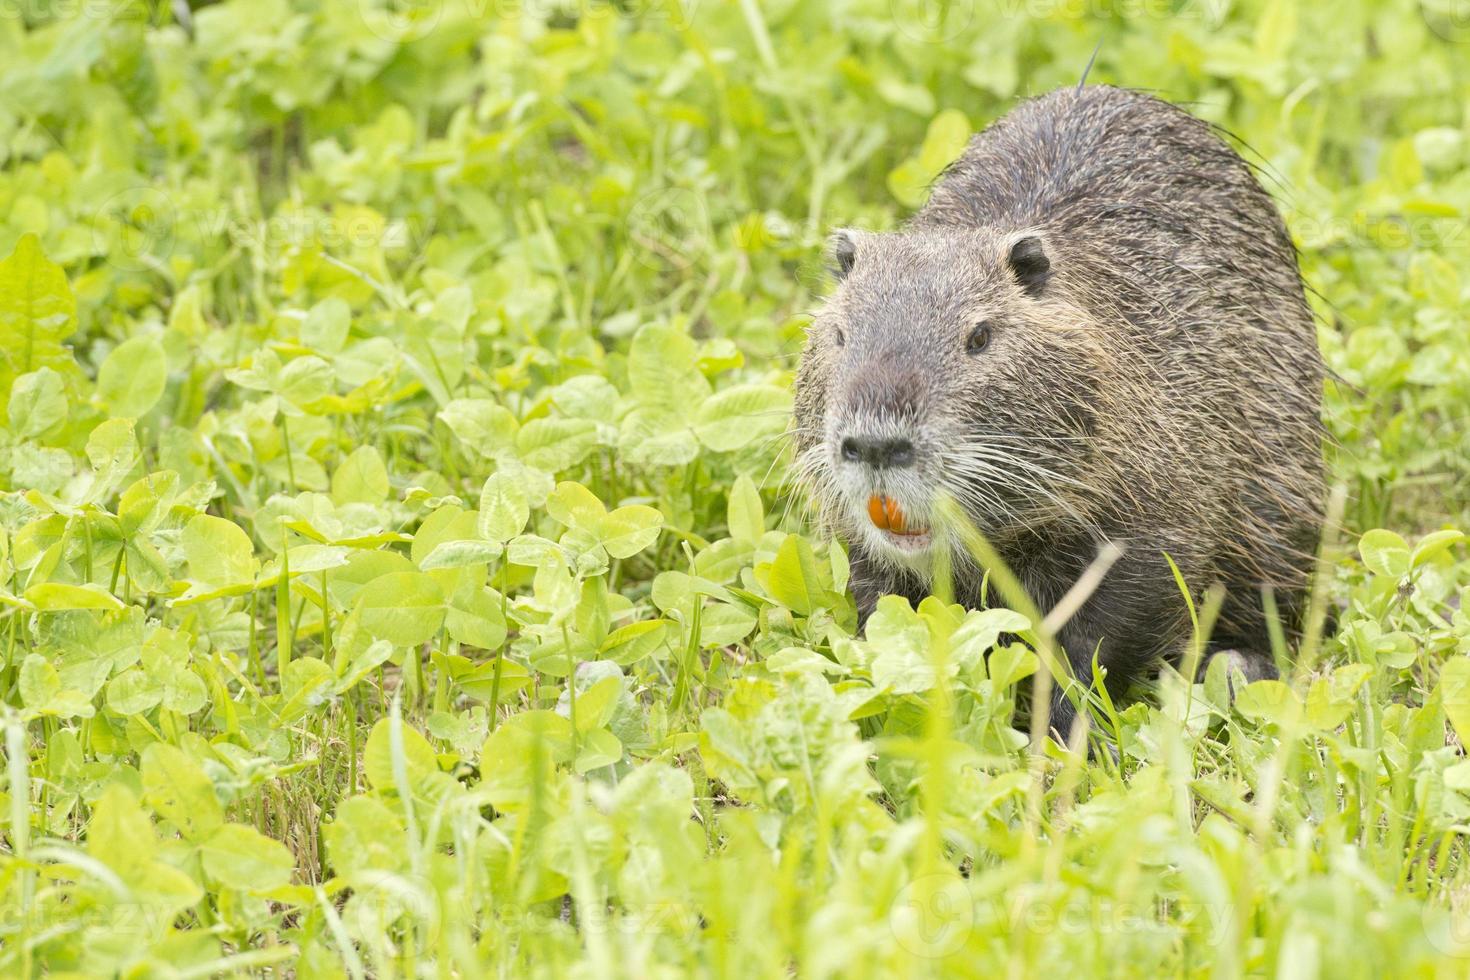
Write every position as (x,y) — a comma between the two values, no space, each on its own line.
(945,362)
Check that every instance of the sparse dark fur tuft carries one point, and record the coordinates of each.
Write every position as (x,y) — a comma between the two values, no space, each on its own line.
(1153,378)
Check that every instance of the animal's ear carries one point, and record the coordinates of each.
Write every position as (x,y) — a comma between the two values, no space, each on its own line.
(1030,265)
(841,253)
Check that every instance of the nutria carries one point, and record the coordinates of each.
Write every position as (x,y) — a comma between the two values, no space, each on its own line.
(1095,331)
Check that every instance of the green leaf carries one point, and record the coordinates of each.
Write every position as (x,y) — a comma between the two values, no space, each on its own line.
(435,352)
(1385,553)
(461,554)
(794,578)
(53,596)
(37,402)
(900,641)
(899,91)
(656,437)
(736,417)
(628,530)
(799,660)
(474,617)
(592,618)
(304,380)
(241,857)
(573,505)
(219,553)
(597,749)
(662,371)
(184,692)
(326,325)
(1269,701)
(361,478)
(448,522)
(1434,544)
(112,449)
(504,509)
(1454,694)
(141,505)
(746,514)
(365,835)
(119,833)
(134,692)
(404,608)
(517,759)
(595,704)
(531,550)
(555,445)
(723,560)
(38,682)
(176,788)
(1331,700)
(303,559)
(484,426)
(629,644)
(36,314)
(981,630)
(377,756)
(1011,663)
(133,377)
(454,307)
(587,396)
(910,181)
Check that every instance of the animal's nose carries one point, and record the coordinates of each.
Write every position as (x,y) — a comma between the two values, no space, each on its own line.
(879,453)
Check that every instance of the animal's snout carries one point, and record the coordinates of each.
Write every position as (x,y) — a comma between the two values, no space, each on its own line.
(879,452)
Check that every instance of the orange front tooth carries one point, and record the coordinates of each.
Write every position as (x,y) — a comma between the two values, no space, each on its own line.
(876,512)
(895,515)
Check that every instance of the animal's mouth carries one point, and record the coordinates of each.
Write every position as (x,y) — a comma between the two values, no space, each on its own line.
(902,529)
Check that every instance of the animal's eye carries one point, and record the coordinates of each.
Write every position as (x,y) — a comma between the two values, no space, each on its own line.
(979,338)
(840,337)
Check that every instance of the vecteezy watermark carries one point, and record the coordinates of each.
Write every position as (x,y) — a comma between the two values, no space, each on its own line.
(639,919)
(46,11)
(1397,231)
(403,21)
(406,21)
(392,909)
(139,228)
(677,13)
(1209,924)
(671,227)
(933,916)
(135,227)
(945,21)
(118,919)
(620,918)
(1448,929)
(933,21)
(1449,19)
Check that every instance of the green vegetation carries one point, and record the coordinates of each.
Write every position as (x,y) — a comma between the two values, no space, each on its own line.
(367,373)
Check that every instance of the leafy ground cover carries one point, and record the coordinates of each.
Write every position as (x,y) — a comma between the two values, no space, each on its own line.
(398,572)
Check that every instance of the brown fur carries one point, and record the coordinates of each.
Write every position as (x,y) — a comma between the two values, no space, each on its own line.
(1158,384)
